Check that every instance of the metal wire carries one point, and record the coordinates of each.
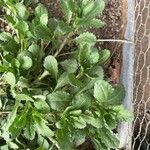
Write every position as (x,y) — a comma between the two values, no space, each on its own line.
(141,101)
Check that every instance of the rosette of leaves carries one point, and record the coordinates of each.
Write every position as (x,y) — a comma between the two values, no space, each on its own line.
(48,101)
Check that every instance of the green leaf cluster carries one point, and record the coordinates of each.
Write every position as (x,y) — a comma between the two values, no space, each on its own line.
(53,94)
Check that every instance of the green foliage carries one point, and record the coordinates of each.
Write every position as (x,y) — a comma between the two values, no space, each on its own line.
(102,90)
(104,56)
(52,89)
(58,100)
(51,65)
(86,39)
(70,65)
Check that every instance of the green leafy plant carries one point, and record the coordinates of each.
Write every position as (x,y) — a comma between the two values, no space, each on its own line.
(52,89)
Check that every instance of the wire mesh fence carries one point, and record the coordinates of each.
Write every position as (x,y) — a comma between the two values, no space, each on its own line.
(141,100)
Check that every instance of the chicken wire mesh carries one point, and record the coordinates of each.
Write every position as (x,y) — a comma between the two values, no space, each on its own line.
(141,96)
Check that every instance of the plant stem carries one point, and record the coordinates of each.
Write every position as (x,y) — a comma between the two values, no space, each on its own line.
(63,43)
(42,45)
(22,44)
(114,40)
(4,112)
(1,56)
(69,53)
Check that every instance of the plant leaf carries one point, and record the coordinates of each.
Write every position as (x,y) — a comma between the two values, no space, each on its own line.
(7,43)
(98,145)
(79,137)
(42,32)
(5,147)
(94,121)
(86,38)
(61,28)
(41,105)
(51,65)
(58,100)
(22,27)
(5,69)
(82,100)
(42,14)
(10,20)
(83,56)
(13,145)
(42,142)
(123,114)
(117,96)
(34,49)
(102,90)
(94,23)
(96,72)
(23,97)
(21,11)
(78,122)
(15,63)
(108,138)
(18,124)
(40,10)
(63,138)
(41,124)
(94,58)
(93,8)
(11,118)
(43,129)
(104,56)
(23,82)
(70,65)
(26,62)
(111,120)
(29,131)
(10,79)
(66,6)
(62,81)
(74,81)
(4,36)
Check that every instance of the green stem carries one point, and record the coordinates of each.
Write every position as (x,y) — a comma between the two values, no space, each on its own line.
(64,43)
(44,74)
(12,116)
(80,74)
(4,112)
